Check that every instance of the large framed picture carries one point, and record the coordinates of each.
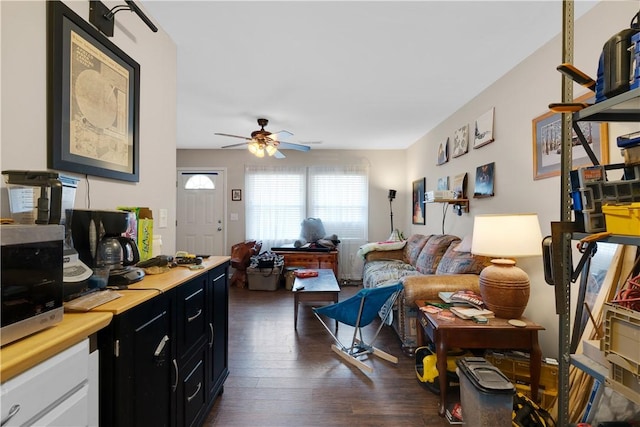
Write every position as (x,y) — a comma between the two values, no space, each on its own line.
(547,143)
(93,100)
(417,204)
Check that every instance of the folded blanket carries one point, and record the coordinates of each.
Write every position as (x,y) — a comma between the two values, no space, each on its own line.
(380,246)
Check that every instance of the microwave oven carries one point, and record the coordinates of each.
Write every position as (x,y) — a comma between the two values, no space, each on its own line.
(31,280)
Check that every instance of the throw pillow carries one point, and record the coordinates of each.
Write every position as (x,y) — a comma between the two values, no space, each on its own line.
(414,246)
(465,245)
(433,251)
(455,262)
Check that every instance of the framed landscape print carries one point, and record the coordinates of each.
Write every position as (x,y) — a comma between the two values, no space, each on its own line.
(547,143)
(417,204)
(93,100)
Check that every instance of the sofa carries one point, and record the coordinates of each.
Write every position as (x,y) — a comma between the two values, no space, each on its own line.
(426,265)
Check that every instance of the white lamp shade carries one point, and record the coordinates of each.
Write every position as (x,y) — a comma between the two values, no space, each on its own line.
(508,235)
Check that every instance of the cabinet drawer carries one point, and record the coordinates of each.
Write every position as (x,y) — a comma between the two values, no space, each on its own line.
(73,411)
(192,322)
(193,390)
(46,385)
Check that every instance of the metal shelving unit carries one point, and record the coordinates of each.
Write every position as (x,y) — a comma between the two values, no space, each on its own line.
(622,108)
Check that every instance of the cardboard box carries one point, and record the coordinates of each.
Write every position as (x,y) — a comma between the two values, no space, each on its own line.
(144,230)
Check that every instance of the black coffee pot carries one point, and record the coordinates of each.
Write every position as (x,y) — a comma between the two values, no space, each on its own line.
(97,236)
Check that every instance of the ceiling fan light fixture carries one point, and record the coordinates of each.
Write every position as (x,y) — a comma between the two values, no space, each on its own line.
(253,147)
(271,150)
(260,153)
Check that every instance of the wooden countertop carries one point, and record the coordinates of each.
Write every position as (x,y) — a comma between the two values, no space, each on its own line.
(153,285)
(26,353)
(23,354)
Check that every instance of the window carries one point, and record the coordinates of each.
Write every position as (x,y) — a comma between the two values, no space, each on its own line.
(339,196)
(278,198)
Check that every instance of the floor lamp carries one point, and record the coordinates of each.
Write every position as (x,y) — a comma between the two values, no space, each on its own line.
(392,195)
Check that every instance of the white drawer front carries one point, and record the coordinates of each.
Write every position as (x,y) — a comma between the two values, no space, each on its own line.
(44,386)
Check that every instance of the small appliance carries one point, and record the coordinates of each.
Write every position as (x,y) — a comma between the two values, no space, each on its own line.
(97,236)
(31,280)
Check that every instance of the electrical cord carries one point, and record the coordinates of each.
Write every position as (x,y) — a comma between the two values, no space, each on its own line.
(629,297)
(445,209)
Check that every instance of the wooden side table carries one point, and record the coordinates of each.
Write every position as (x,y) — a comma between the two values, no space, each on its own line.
(466,334)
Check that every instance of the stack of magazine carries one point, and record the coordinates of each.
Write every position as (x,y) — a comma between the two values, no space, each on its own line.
(466,304)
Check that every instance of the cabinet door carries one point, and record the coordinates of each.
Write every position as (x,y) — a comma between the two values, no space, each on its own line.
(136,366)
(218,300)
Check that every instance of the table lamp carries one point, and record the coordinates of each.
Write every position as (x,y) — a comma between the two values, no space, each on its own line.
(503,286)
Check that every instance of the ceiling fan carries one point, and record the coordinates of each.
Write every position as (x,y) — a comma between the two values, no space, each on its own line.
(263,141)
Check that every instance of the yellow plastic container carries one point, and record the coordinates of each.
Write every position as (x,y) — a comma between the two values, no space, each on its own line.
(623,218)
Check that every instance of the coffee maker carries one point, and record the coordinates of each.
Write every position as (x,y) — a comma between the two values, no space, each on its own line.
(97,236)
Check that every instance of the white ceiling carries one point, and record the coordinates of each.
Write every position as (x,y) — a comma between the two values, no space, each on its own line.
(352,74)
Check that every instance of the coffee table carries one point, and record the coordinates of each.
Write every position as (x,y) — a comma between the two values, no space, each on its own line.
(322,288)
(466,334)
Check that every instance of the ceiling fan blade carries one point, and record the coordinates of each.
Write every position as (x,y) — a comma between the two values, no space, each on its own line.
(233,136)
(292,146)
(235,145)
(280,134)
(279,155)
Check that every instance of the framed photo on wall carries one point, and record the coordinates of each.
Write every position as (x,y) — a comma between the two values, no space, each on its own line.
(483,129)
(461,141)
(92,102)
(484,181)
(236,194)
(547,143)
(443,152)
(417,204)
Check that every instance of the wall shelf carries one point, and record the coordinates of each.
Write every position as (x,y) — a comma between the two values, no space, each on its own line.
(462,204)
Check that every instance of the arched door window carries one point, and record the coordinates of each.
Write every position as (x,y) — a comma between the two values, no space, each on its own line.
(200,182)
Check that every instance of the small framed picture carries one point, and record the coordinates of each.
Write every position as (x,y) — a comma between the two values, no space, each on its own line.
(236,194)
(484,180)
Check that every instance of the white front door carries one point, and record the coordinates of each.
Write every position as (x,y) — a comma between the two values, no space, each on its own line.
(200,227)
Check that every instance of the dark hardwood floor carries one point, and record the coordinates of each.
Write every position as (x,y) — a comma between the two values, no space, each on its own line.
(283,377)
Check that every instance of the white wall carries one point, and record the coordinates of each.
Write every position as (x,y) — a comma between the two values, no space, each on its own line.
(386,171)
(23,141)
(519,96)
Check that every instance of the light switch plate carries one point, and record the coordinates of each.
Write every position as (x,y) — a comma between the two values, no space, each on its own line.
(162,220)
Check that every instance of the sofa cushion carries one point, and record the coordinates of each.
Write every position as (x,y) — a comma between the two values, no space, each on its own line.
(455,262)
(433,251)
(381,271)
(414,246)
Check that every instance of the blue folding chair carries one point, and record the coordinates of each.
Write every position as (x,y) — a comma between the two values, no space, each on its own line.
(359,311)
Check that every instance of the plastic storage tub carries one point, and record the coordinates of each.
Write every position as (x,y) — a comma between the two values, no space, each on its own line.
(486,395)
(623,218)
(263,279)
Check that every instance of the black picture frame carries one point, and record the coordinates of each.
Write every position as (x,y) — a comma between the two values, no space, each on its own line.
(417,203)
(236,195)
(93,100)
